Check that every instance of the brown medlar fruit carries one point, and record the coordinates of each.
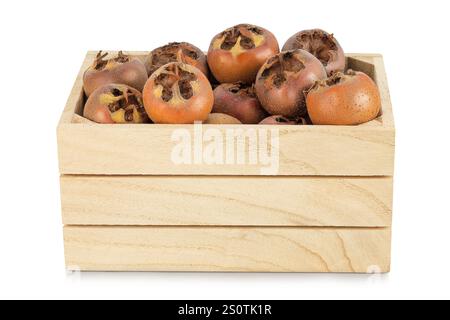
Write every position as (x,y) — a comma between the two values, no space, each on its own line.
(121,69)
(115,103)
(282,81)
(320,44)
(239,100)
(178,93)
(220,118)
(237,53)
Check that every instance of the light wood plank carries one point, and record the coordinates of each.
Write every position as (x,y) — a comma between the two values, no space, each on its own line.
(228,201)
(146,150)
(227,249)
(364,64)
(79,119)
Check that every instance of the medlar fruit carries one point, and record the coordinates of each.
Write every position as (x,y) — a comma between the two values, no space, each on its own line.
(122,69)
(282,80)
(322,45)
(239,100)
(277,120)
(176,52)
(178,93)
(344,99)
(220,118)
(115,103)
(236,54)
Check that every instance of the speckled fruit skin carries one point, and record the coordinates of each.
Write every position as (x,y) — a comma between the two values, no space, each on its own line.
(179,110)
(337,59)
(239,64)
(353,101)
(288,100)
(220,118)
(241,105)
(131,73)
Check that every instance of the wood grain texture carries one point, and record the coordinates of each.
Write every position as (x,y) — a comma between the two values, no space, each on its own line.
(226,201)
(146,150)
(227,249)
(79,119)
(366,150)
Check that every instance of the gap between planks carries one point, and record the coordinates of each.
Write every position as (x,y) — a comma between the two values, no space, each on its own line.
(146,176)
(79,226)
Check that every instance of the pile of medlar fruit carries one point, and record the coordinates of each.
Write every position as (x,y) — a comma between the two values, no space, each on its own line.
(244,78)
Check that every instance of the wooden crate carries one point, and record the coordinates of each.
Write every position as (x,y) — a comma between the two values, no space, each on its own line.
(126,206)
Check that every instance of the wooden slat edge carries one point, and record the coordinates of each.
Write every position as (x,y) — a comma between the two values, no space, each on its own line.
(227,200)
(304,150)
(227,249)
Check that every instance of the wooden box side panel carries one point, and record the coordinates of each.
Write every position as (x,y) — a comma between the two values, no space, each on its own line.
(303,151)
(227,249)
(367,150)
(226,201)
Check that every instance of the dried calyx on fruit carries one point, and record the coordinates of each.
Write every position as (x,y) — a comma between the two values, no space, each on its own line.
(100,63)
(176,52)
(175,83)
(115,103)
(322,45)
(237,53)
(121,69)
(239,100)
(281,82)
(334,79)
(246,35)
(344,99)
(278,120)
(178,93)
(278,68)
(240,88)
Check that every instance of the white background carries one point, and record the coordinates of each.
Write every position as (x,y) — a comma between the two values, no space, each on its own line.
(42,46)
